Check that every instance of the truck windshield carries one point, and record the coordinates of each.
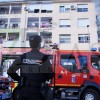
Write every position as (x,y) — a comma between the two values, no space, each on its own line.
(95,61)
(68,62)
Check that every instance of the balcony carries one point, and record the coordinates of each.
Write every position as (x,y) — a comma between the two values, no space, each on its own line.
(2,37)
(14,23)
(3,23)
(33,22)
(4,26)
(4,10)
(14,26)
(46,25)
(46,38)
(46,22)
(33,25)
(16,9)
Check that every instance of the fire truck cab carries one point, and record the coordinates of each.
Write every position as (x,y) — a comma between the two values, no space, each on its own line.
(77,75)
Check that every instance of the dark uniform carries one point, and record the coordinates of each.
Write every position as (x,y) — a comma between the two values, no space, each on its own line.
(35,69)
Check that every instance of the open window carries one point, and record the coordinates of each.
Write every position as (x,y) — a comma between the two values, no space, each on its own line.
(46,22)
(14,23)
(2,37)
(46,37)
(13,37)
(34,8)
(4,9)
(33,22)
(46,8)
(3,23)
(30,34)
(16,9)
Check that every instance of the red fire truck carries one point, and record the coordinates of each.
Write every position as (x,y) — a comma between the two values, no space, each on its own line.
(77,73)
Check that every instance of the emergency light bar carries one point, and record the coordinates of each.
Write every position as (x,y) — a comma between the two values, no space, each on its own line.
(94,49)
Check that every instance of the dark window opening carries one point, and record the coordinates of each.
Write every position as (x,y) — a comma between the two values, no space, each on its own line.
(95,61)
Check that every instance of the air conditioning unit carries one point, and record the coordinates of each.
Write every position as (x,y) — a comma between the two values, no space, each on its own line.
(73,7)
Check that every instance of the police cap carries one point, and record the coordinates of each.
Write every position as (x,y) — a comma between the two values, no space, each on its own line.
(35,41)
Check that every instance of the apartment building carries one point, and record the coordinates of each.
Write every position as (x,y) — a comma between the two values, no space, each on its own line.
(69,23)
(98,20)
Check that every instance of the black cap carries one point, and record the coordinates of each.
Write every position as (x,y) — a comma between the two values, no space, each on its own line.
(35,41)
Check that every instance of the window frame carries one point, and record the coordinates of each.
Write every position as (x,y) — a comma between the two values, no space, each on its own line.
(80,9)
(68,23)
(65,8)
(84,36)
(13,34)
(68,39)
(83,22)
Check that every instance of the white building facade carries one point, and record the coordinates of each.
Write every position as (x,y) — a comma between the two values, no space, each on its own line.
(70,24)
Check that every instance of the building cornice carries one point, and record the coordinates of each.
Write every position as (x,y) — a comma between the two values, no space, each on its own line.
(42,1)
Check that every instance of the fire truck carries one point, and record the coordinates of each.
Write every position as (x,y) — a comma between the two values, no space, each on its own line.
(77,73)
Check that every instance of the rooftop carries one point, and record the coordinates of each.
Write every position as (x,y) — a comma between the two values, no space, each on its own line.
(10,1)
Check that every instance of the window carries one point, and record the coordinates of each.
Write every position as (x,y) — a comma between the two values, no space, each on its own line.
(2,37)
(83,22)
(64,8)
(64,23)
(64,38)
(46,22)
(30,34)
(98,20)
(95,61)
(84,38)
(68,62)
(82,8)
(46,37)
(46,8)
(3,23)
(13,36)
(14,23)
(4,9)
(83,61)
(33,22)
(16,9)
(34,8)
(99,37)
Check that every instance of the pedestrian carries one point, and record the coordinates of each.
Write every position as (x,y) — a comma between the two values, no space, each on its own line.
(35,69)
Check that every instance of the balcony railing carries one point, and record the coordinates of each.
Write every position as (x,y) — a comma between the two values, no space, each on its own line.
(16,12)
(14,26)
(46,25)
(3,26)
(32,25)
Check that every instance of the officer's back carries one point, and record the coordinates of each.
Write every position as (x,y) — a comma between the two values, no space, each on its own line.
(35,69)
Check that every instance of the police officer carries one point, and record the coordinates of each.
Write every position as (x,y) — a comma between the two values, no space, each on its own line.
(35,69)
